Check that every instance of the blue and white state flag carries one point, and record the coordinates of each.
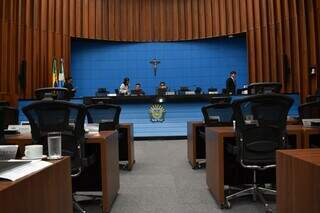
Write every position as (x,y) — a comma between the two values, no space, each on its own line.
(61,74)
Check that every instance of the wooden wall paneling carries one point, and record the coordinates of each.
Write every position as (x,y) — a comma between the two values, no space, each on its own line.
(3,57)
(279,43)
(208,18)
(65,19)
(123,27)
(117,21)
(223,17)
(182,20)
(258,40)
(136,18)
(105,20)
(169,20)
(155,21)
(38,30)
(98,19)
(92,19)
(78,18)
(45,61)
(317,17)
(175,20)
(58,17)
(251,42)
(311,43)
(111,17)
(229,16)
(202,19)
(216,17)
(271,24)
(303,53)
(195,19)
(85,18)
(236,16)
(295,50)
(189,19)
(28,58)
(72,18)
(243,15)
(265,41)
(145,20)
(36,73)
(66,51)
(286,41)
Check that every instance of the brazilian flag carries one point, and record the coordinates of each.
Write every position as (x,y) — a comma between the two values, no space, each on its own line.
(61,74)
(54,73)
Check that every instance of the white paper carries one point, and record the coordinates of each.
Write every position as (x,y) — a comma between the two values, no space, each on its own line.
(23,170)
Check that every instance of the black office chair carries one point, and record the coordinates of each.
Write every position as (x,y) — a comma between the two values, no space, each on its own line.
(260,131)
(219,114)
(309,111)
(313,98)
(67,118)
(220,100)
(10,116)
(107,116)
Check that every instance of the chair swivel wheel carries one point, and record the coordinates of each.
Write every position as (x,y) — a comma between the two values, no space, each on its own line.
(226,205)
(269,211)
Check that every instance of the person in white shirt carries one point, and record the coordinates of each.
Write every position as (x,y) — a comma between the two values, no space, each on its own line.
(124,87)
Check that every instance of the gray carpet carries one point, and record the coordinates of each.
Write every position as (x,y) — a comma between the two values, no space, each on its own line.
(162,181)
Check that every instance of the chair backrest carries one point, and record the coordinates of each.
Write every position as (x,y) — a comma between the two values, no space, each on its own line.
(310,110)
(59,116)
(10,116)
(220,99)
(58,93)
(220,114)
(2,140)
(260,127)
(107,115)
(264,88)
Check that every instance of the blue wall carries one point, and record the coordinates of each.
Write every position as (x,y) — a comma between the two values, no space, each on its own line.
(204,63)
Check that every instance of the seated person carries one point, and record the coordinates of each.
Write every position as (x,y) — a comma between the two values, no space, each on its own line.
(69,86)
(162,88)
(124,87)
(137,90)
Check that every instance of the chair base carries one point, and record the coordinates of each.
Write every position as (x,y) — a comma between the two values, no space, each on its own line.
(255,191)
(76,206)
(200,164)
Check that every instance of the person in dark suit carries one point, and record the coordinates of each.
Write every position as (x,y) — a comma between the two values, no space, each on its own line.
(231,83)
(69,86)
(137,90)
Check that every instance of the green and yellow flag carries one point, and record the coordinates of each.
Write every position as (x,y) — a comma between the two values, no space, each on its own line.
(54,73)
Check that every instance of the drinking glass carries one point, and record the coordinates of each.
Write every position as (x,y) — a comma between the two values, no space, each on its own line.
(54,145)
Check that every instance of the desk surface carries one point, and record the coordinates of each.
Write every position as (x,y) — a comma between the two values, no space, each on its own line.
(47,190)
(109,159)
(298,181)
(215,156)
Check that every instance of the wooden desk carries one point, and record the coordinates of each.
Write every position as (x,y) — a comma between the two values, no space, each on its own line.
(110,177)
(298,181)
(192,142)
(127,129)
(215,137)
(48,190)
(307,132)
